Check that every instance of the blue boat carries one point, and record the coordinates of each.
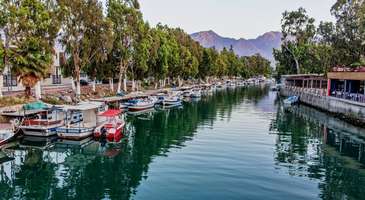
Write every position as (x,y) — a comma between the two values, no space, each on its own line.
(291,100)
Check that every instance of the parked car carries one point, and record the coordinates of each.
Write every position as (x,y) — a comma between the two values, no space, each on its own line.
(84,82)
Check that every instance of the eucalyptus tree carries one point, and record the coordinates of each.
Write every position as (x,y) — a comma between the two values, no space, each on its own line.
(298,31)
(126,18)
(85,34)
(141,53)
(31,30)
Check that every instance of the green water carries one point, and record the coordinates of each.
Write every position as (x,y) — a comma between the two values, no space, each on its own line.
(235,144)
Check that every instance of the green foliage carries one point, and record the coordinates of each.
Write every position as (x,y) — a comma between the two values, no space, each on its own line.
(331,44)
(105,44)
(31,30)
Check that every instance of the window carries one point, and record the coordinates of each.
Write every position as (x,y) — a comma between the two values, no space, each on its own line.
(10,81)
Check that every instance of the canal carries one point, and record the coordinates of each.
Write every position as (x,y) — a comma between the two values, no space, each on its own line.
(235,144)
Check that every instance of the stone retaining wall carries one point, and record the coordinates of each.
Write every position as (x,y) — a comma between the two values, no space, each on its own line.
(350,110)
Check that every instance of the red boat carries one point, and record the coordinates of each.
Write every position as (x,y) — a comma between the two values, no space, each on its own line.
(112,129)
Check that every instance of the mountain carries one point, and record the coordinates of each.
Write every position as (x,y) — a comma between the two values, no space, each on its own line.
(263,44)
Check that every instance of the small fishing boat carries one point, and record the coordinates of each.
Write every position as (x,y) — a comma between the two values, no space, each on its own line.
(187,93)
(172,101)
(44,123)
(196,93)
(142,104)
(80,121)
(6,136)
(291,100)
(112,129)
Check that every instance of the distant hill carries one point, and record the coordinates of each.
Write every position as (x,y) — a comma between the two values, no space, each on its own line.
(263,44)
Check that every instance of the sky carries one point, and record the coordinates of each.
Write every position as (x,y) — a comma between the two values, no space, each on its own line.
(230,18)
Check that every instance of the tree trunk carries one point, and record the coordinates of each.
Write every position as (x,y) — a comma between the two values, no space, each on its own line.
(76,60)
(120,79)
(111,84)
(179,81)
(78,87)
(1,84)
(138,85)
(297,65)
(133,85)
(94,85)
(73,86)
(38,93)
(125,83)
(28,91)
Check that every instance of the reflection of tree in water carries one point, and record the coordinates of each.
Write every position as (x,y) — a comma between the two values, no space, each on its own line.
(35,177)
(300,147)
(94,176)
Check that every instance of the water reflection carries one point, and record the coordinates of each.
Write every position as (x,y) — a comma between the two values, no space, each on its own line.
(47,168)
(309,144)
(314,144)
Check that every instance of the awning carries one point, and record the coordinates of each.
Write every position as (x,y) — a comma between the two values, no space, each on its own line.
(111,113)
(347,75)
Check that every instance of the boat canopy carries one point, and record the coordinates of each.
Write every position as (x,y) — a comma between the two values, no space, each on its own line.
(82,106)
(39,105)
(111,113)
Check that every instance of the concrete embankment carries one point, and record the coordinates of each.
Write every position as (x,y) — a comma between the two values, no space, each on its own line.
(350,111)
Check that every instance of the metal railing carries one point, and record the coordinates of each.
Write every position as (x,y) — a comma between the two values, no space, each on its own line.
(56,79)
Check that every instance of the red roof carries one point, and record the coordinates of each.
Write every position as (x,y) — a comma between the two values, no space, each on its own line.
(111,113)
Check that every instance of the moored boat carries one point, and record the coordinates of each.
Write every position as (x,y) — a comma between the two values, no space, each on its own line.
(112,129)
(44,123)
(291,100)
(6,136)
(196,93)
(80,121)
(142,104)
(172,101)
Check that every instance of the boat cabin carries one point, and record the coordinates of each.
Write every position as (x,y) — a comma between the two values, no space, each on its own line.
(80,120)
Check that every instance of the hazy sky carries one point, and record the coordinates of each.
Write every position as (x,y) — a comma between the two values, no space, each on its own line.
(230,18)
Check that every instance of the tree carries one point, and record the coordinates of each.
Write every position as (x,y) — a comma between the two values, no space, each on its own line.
(349,37)
(85,34)
(125,16)
(298,30)
(31,34)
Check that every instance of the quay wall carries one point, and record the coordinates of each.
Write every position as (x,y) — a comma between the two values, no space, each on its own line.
(351,111)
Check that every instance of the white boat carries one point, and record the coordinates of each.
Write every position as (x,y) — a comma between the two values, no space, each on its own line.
(80,121)
(171,101)
(291,100)
(196,93)
(44,124)
(142,104)
(5,136)
(187,93)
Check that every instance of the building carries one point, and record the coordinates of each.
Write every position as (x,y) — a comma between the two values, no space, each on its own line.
(347,83)
(312,83)
(54,78)
(340,92)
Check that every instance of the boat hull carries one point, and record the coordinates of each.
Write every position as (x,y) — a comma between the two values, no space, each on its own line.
(140,108)
(75,133)
(6,139)
(39,132)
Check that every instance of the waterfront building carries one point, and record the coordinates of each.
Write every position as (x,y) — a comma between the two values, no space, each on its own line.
(347,83)
(340,91)
(311,83)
